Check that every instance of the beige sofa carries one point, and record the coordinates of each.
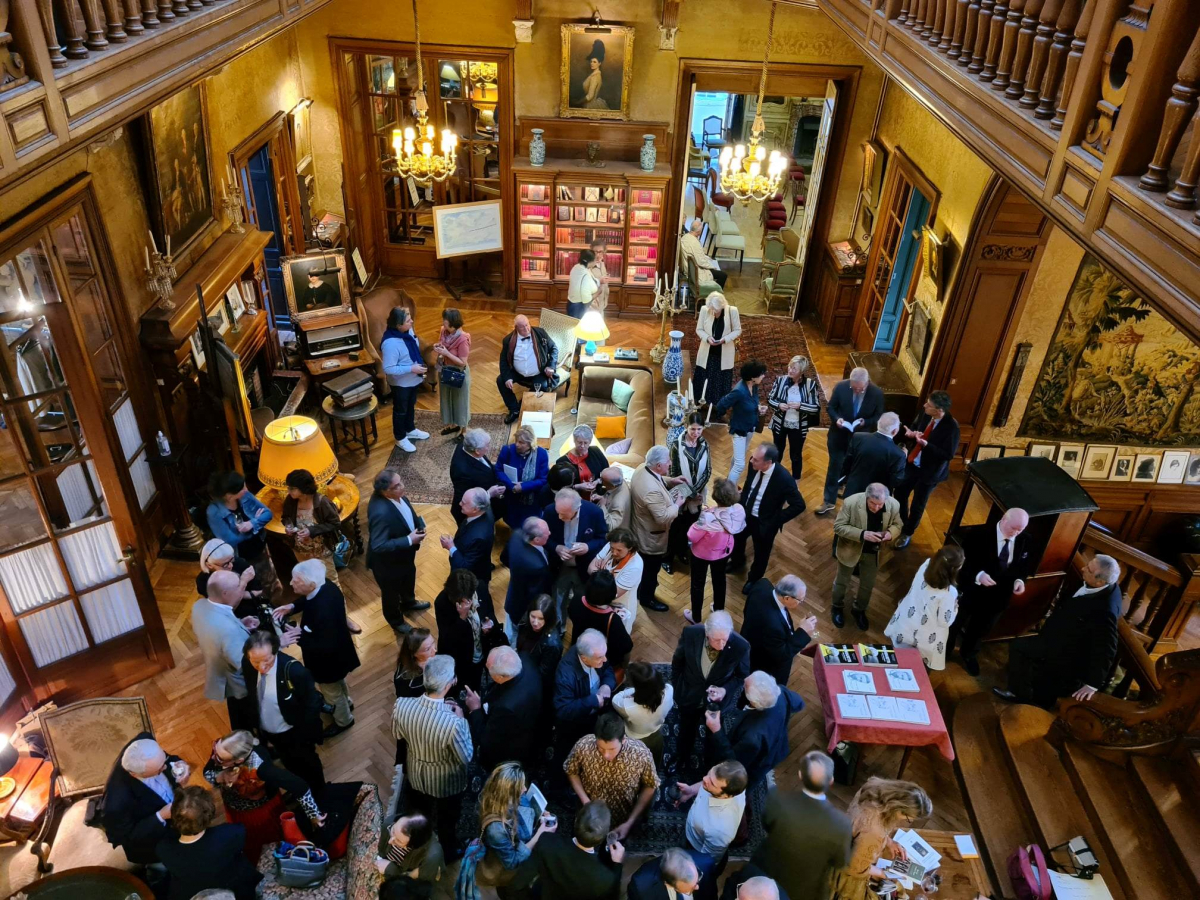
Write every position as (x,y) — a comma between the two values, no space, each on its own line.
(596,401)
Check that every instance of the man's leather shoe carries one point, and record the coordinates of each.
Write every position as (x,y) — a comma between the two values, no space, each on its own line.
(418,606)
(1008,696)
(335,730)
(666,567)
(656,605)
(511,417)
(839,618)
(860,619)
(903,541)
(971,664)
(746,587)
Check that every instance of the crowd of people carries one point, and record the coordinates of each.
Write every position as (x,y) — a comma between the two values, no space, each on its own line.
(552,670)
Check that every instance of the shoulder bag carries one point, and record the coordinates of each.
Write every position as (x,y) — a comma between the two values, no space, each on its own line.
(1028,873)
(452,376)
(301,865)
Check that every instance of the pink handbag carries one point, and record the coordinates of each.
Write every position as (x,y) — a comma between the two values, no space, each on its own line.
(1028,873)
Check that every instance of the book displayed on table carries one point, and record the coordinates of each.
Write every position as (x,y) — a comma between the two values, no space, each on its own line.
(883,709)
(902,680)
(858,681)
(877,654)
(839,654)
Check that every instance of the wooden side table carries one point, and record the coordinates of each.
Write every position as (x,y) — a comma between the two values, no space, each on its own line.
(532,402)
(22,810)
(353,421)
(319,371)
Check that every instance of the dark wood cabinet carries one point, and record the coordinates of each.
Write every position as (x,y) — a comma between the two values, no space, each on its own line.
(837,296)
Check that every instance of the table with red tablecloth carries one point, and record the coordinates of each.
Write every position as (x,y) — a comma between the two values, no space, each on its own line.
(875,731)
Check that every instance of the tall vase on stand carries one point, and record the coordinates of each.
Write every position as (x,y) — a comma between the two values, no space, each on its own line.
(649,154)
(677,410)
(537,147)
(672,367)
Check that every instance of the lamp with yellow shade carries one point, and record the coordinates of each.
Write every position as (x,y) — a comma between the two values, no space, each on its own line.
(295,442)
(591,328)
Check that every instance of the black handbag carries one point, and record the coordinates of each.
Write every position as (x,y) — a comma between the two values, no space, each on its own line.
(452,376)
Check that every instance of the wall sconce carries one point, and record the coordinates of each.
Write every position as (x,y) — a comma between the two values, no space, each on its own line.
(302,104)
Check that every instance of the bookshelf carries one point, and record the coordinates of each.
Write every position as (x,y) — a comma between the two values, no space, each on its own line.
(563,208)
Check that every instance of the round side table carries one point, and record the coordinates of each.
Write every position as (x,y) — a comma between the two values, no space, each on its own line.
(353,421)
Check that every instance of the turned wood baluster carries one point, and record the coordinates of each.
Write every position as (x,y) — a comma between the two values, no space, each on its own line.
(1052,80)
(995,40)
(916,15)
(1016,85)
(982,30)
(1041,52)
(116,28)
(70,26)
(1073,56)
(903,17)
(180,8)
(930,17)
(195,4)
(150,14)
(948,26)
(939,22)
(164,10)
(960,25)
(46,14)
(968,41)
(1185,96)
(1008,46)
(93,24)
(133,17)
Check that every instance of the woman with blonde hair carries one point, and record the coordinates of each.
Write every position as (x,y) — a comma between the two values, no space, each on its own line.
(533,467)
(924,616)
(795,403)
(510,831)
(718,326)
(878,809)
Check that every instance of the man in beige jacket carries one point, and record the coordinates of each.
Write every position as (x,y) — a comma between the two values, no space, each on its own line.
(616,500)
(654,509)
(865,524)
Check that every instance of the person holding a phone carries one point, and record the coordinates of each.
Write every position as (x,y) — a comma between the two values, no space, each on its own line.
(396,533)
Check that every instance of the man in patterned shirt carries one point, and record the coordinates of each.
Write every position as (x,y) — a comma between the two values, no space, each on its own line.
(439,748)
(618,770)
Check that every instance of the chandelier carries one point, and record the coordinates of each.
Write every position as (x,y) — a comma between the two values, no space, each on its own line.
(415,158)
(742,167)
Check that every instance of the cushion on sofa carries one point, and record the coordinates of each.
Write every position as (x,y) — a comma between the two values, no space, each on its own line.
(610,427)
(618,447)
(622,393)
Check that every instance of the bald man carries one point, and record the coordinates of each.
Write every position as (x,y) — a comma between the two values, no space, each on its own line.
(528,357)
(997,563)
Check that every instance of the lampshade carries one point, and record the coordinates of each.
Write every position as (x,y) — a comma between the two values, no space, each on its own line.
(295,442)
(591,327)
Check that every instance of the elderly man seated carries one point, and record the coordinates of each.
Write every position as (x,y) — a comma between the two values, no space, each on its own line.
(138,798)
(618,770)
(528,357)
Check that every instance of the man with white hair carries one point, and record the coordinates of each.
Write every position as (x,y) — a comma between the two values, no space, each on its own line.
(874,457)
(501,726)
(759,740)
(709,663)
(577,532)
(614,498)
(750,884)
(677,873)
(529,358)
(471,546)
(138,797)
(867,522)
(528,571)
(470,467)
(654,509)
(583,686)
(854,406)
(1073,653)
(708,269)
(767,624)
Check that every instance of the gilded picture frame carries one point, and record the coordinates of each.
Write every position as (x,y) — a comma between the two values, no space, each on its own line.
(931,259)
(328,295)
(586,94)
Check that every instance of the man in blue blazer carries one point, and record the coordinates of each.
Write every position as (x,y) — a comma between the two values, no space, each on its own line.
(933,438)
(680,870)
(759,740)
(528,572)
(396,533)
(583,686)
(854,406)
(578,531)
(471,546)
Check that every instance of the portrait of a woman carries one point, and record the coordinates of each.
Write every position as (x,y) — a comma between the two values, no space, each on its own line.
(595,78)
(596,71)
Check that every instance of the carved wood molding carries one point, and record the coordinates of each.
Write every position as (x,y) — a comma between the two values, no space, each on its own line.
(1008,252)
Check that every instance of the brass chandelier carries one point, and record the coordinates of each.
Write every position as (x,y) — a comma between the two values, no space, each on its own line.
(415,158)
(742,167)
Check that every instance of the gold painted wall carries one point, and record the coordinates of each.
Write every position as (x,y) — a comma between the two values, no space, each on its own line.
(954,169)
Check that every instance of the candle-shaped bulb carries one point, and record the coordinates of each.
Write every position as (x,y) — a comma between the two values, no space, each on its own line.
(739,151)
(760,153)
(755,169)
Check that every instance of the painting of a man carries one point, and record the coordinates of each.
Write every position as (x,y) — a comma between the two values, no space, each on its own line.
(316,283)
(178,160)
(317,294)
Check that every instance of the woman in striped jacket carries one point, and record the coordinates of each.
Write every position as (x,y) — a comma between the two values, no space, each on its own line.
(793,399)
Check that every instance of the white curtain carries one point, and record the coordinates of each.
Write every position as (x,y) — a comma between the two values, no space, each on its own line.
(53,633)
(32,578)
(127,429)
(93,556)
(143,480)
(79,491)
(7,683)
(112,610)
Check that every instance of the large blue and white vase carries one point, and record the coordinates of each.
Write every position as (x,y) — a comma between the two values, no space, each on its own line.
(676,413)
(673,363)
(537,147)
(649,154)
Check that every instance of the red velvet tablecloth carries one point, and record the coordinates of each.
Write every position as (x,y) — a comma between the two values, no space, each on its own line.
(873,731)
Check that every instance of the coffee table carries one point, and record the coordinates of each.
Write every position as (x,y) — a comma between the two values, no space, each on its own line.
(531,401)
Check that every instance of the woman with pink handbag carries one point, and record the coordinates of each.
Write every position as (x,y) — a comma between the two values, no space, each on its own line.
(712,543)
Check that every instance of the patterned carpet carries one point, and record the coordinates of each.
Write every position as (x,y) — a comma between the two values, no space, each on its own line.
(426,473)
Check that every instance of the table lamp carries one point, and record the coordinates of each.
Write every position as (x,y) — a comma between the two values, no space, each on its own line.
(295,442)
(591,328)
(8,759)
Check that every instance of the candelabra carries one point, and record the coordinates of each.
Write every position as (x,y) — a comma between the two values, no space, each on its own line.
(232,203)
(664,303)
(160,274)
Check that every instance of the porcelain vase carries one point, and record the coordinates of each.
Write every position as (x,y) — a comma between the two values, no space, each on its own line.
(537,147)
(672,368)
(676,413)
(649,154)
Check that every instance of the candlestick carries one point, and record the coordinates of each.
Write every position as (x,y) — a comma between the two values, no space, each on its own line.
(703,390)
(147,249)
(168,245)
(152,243)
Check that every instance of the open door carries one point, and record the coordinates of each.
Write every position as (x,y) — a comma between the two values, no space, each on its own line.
(828,109)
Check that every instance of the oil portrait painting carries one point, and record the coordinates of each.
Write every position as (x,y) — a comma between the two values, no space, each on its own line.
(597,67)
(178,169)
(1116,371)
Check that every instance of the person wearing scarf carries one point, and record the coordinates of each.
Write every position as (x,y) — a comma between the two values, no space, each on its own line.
(533,467)
(405,370)
(689,461)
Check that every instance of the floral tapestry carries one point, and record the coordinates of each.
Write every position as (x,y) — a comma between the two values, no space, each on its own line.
(1116,371)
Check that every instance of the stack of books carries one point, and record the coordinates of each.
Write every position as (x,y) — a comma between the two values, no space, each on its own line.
(350,388)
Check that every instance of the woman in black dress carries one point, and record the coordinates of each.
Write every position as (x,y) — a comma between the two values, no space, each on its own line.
(462,634)
(200,855)
(418,647)
(540,646)
(593,609)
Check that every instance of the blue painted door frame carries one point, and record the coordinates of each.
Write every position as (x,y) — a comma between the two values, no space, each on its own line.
(906,257)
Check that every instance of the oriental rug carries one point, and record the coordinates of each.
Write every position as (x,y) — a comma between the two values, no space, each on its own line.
(426,473)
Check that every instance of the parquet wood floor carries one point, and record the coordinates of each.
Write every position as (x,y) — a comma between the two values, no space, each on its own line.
(187,724)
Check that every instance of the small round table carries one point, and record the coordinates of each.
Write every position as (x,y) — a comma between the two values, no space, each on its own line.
(353,420)
(345,496)
(93,882)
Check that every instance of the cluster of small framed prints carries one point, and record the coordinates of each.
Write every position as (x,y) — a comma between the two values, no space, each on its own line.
(239,300)
(1107,462)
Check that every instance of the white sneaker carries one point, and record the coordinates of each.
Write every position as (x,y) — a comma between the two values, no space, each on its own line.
(406,445)
(417,435)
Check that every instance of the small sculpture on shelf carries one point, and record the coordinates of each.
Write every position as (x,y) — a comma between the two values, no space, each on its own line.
(160,273)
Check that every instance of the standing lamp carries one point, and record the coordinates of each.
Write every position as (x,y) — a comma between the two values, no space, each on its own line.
(8,759)
(591,328)
(295,442)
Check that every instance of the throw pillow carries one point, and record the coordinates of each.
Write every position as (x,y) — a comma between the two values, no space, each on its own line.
(619,448)
(621,394)
(608,427)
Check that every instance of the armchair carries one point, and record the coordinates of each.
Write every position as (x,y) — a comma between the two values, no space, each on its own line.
(698,290)
(782,285)
(561,329)
(773,254)
(724,234)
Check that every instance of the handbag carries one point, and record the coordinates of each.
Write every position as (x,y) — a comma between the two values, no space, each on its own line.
(341,553)
(489,871)
(301,865)
(1028,873)
(452,376)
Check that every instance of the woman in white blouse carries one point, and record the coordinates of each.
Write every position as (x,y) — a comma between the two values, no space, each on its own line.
(620,557)
(645,705)
(924,616)
(718,326)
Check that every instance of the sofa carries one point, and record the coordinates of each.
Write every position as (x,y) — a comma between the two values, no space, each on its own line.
(354,876)
(596,400)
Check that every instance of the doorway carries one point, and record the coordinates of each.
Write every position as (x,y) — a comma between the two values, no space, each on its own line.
(261,177)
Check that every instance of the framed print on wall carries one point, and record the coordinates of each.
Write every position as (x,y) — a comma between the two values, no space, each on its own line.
(1145,467)
(1045,451)
(597,69)
(1193,470)
(989,451)
(1174,466)
(316,284)
(1122,469)
(1097,462)
(1070,458)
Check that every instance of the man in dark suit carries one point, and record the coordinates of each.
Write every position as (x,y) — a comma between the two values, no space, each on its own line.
(286,706)
(575,869)
(934,437)
(138,797)
(751,883)
(768,627)
(874,458)
(854,406)
(726,655)
(996,563)
(771,500)
(471,546)
(529,358)
(759,740)
(503,730)
(808,838)
(677,869)
(1073,654)
(528,572)
(396,532)
(583,686)
(470,467)
(578,531)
